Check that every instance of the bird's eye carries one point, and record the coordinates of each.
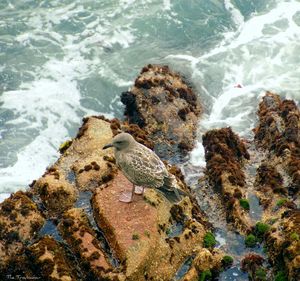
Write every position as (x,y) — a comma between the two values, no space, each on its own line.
(118,142)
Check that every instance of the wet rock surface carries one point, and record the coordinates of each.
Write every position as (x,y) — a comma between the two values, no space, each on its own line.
(50,258)
(82,239)
(144,237)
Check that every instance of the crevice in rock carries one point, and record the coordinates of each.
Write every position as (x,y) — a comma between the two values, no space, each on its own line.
(84,202)
(184,268)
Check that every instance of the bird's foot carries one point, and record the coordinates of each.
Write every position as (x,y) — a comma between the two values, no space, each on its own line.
(126,197)
(139,190)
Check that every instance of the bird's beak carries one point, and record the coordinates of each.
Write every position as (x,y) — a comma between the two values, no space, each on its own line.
(107,146)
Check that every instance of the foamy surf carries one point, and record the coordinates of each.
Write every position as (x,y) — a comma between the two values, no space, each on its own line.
(4,196)
(47,109)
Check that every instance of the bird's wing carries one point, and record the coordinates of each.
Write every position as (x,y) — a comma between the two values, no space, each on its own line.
(151,162)
(142,166)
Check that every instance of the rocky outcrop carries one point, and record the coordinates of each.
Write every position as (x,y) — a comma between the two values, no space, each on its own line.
(277,180)
(20,222)
(271,174)
(56,193)
(283,242)
(165,106)
(206,265)
(224,155)
(74,228)
(149,238)
(82,239)
(253,264)
(71,226)
(51,260)
(279,133)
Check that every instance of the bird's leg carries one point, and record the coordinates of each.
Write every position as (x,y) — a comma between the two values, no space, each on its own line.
(127,196)
(139,190)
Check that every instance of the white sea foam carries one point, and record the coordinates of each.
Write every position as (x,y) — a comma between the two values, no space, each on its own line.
(4,196)
(51,104)
(220,239)
(167,5)
(237,17)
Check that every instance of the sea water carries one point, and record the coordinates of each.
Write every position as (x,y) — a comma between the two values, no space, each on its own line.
(61,60)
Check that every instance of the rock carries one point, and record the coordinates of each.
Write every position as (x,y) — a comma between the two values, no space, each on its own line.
(278,132)
(78,233)
(86,156)
(161,103)
(151,238)
(147,236)
(283,243)
(191,275)
(18,265)
(50,260)
(148,239)
(224,154)
(253,264)
(206,264)
(208,260)
(56,193)
(83,166)
(277,180)
(20,222)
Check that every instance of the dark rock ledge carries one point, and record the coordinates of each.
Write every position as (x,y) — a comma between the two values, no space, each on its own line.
(69,225)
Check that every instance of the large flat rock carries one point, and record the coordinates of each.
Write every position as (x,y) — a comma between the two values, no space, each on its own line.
(139,232)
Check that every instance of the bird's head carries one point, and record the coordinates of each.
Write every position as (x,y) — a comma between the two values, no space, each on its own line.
(120,141)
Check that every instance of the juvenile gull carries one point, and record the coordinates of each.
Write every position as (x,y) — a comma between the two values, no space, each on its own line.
(143,168)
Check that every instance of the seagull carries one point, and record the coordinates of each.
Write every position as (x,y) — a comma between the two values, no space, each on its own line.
(143,168)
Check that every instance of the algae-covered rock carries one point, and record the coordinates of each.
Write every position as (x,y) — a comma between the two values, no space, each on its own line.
(83,162)
(278,132)
(56,193)
(277,181)
(283,248)
(225,154)
(253,264)
(20,221)
(80,236)
(50,260)
(148,239)
(206,265)
(165,106)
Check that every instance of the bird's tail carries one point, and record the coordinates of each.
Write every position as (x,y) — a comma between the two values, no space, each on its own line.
(173,194)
